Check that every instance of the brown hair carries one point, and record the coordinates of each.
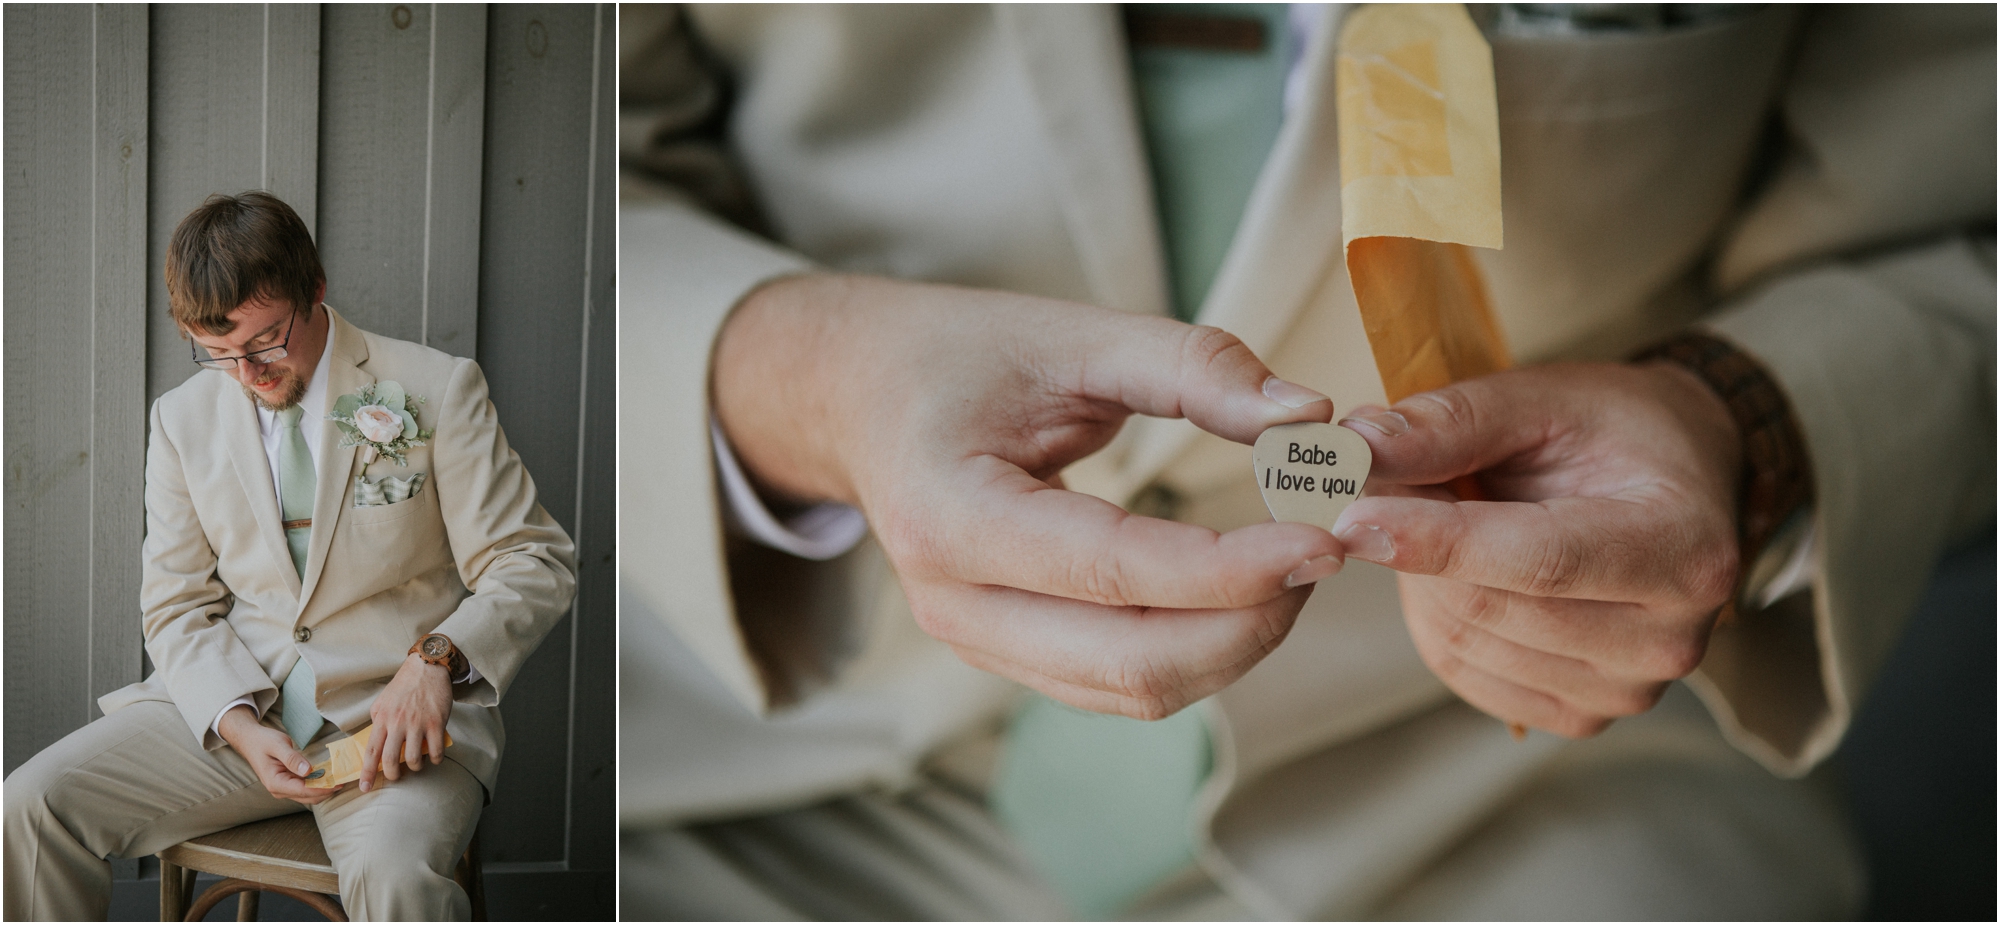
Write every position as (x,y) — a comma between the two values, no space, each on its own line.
(233,249)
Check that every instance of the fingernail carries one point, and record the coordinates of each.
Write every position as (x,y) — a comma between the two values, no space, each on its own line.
(1388,423)
(305,768)
(1367,542)
(1313,570)
(1290,394)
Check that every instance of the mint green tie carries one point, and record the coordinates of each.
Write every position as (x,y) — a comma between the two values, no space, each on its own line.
(296,484)
(299,710)
(1103,805)
(1210,119)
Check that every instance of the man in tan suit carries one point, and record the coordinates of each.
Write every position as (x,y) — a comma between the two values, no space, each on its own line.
(806,738)
(298,585)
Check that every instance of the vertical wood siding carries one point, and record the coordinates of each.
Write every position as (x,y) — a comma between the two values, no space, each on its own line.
(118,157)
(49,360)
(546,303)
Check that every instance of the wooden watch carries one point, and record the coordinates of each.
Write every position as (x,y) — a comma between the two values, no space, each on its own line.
(438,649)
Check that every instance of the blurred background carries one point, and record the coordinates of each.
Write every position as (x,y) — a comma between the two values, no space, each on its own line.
(455,165)
(1918,764)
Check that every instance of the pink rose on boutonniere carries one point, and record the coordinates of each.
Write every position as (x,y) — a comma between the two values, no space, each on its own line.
(378,424)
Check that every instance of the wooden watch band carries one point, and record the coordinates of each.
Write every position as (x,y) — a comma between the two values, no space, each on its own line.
(1777,479)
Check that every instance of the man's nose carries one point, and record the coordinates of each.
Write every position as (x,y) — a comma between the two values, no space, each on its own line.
(248,370)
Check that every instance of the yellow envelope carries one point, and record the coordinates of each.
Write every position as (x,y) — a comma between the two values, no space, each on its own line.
(1419,186)
(336,760)
(1420,183)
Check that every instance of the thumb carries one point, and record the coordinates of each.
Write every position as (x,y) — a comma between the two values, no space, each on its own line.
(1433,437)
(1167,369)
(296,761)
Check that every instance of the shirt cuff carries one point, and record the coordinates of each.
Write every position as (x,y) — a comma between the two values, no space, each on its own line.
(471,675)
(820,532)
(243,701)
(1788,565)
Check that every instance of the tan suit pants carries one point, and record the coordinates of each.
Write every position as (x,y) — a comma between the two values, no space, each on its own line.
(135,782)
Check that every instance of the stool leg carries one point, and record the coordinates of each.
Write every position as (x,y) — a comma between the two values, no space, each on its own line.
(173,898)
(246,905)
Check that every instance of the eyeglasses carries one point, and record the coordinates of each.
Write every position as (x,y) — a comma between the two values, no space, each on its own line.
(260,357)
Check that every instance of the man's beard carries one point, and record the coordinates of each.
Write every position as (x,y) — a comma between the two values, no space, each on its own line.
(292,387)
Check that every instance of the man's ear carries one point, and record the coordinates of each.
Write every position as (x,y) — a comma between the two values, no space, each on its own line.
(319,293)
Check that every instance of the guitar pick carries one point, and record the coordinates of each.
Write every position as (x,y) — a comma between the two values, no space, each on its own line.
(1309,473)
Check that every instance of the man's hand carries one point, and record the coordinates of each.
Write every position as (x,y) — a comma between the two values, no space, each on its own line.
(409,717)
(271,754)
(1593,577)
(947,416)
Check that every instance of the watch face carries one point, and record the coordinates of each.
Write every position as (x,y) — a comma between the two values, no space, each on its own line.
(436,646)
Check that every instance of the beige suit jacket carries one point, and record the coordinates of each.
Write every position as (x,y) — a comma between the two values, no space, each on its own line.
(998,146)
(471,555)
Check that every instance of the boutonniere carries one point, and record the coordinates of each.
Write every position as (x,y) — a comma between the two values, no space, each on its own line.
(378,418)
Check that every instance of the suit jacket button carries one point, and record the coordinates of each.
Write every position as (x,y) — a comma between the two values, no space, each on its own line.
(303,634)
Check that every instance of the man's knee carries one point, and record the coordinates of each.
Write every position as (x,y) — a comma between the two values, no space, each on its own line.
(21,791)
(395,869)
(33,791)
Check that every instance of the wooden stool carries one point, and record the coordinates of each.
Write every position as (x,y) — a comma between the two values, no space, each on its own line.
(281,855)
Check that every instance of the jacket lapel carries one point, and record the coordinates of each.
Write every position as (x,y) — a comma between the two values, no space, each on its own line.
(1073,58)
(1287,248)
(1079,82)
(335,466)
(243,442)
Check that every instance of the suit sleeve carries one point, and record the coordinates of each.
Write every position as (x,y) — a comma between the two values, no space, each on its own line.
(1888,365)
(685,260)
(515,559)
(194,650)
(682,272)
(1876,316)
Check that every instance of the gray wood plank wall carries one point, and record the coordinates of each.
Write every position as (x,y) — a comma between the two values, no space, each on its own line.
(545,314)
(75,405)
(456,165)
